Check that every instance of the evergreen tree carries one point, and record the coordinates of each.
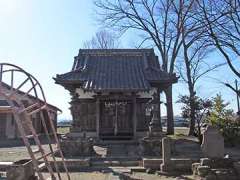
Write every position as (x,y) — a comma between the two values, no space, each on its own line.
(220,114)
(223,118)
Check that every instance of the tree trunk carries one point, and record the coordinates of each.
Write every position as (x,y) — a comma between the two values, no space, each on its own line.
(170,121)
(190,88)
(192,112)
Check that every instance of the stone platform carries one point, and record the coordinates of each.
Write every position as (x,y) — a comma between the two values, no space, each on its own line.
(180,164)
(217,168)
(77,146)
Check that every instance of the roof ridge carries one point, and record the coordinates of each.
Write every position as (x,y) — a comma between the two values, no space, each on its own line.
(115,51)
(4,84)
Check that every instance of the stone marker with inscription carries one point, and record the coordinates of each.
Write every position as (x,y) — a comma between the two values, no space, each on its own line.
(213,143)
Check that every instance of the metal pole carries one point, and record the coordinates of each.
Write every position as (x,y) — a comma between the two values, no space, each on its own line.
(236,84)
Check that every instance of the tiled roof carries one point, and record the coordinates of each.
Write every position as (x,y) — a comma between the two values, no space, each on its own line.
(115,70)
(4,102)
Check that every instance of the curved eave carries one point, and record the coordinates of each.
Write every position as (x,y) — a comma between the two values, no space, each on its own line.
(67,82)
(164,82)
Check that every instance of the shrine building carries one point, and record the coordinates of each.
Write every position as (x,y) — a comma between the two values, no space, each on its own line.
(112,90)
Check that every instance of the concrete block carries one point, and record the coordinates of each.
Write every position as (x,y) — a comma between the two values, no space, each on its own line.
(21,170)
(236,166)
(194,168)
(167,167)
(211,176)
(203,170)
(152,163)
(115,163)
(205,162)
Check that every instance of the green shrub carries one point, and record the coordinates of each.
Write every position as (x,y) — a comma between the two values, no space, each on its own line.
(223,118)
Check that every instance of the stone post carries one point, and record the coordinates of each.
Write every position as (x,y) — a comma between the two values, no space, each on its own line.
(166,155)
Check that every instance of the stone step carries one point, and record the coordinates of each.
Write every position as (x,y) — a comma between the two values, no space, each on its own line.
(138,169)
(119,158)
(114,163)
(5,165)
(119,169)
(116,142)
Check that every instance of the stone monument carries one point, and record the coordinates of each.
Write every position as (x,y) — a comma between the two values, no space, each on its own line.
(213,143)
(214,165)
(155,126)
(151,145)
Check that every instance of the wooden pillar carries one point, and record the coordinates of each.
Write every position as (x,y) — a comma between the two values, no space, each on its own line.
(134,116)
(97,116)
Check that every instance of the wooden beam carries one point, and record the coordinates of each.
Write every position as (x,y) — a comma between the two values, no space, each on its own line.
(134,117)
(97,116)
(115,97)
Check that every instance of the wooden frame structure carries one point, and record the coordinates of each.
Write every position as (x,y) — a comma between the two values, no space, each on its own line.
(22,116)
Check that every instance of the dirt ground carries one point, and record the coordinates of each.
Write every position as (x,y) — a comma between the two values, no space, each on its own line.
(15,153)
(112,176)
(184,147)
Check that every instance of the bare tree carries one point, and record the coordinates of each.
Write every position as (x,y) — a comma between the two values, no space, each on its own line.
(222,20)
(102,40)
(158,21)
(196,67)
(195,47)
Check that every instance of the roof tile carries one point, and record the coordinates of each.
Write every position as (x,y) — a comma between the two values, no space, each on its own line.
(115,69)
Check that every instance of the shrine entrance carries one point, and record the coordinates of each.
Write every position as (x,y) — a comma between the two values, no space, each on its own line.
(116,119)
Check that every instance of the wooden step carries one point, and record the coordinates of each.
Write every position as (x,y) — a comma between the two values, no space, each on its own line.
(31,136)
(37,110)
(29,107)
(48,154)
(35,151)
(42,166)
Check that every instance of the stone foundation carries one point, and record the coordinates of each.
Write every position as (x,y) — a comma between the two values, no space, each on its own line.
(73,146)
(152,163)
(180,165)
(152,145)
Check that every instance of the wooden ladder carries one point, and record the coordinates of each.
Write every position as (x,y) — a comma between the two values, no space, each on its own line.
(40,156)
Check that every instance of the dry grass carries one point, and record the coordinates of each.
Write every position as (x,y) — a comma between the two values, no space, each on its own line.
(10,154)
(63,130)
(13,153)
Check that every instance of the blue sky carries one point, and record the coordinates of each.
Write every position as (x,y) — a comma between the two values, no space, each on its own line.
(43,37)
